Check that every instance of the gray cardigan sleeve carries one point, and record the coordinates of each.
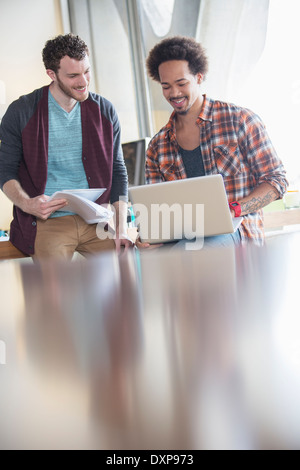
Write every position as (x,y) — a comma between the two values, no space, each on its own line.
(119,187)
(10,145)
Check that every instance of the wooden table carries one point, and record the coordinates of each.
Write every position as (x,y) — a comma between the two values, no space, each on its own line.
(153,350)
(9,251)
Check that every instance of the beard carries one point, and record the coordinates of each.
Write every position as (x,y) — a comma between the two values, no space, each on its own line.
(177,110)
(71,92)
(183,112)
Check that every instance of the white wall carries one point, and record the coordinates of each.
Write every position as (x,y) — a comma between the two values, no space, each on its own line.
(25,26)
(6,209)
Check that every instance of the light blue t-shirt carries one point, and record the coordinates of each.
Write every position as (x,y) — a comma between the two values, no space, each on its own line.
(65,167)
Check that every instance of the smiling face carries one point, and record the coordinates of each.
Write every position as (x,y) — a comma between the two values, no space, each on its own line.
(180,88)
(72,80)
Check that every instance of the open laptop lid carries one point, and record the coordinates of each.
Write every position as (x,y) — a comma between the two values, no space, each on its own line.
(186,208)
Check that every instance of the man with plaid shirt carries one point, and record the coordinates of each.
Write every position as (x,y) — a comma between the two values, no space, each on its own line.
(205,136)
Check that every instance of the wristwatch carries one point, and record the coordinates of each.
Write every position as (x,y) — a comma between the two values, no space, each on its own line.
(236,207)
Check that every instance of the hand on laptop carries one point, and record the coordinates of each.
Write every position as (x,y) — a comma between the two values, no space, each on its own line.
(142,246)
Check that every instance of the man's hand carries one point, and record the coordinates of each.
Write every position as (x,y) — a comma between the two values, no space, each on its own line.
(38,206)
(123,241)
(120,220)
(142,246)
(41,208)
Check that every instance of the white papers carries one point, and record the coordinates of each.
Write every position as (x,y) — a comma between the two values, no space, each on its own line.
(81,202)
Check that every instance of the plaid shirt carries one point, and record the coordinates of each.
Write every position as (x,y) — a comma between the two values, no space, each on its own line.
(234,143)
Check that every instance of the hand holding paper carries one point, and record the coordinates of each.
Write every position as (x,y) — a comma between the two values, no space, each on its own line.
(81,201)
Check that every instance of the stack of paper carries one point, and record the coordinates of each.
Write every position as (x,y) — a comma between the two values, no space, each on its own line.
(81,202)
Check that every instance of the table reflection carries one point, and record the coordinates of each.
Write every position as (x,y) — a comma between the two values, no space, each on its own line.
(154,350)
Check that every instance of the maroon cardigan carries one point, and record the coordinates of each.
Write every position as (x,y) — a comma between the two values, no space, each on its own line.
(24,154)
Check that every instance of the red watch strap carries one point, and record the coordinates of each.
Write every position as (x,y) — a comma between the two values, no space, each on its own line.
(236,207)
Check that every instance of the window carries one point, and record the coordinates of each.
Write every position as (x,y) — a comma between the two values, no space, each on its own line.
(159,14)
(272,90)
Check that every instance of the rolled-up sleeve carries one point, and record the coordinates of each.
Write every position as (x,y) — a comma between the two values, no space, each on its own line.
(261,155)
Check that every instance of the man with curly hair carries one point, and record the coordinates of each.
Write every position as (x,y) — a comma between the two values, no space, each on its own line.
(59,137)
(206,136)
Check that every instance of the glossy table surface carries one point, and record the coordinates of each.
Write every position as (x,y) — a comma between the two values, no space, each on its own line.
(155,350)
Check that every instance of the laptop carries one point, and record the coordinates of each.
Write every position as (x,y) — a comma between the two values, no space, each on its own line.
(182,209)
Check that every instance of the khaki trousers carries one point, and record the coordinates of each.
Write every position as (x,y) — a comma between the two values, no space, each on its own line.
(60,237)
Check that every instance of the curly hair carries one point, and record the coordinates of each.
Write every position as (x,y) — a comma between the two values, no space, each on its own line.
(177,48)
(61,46)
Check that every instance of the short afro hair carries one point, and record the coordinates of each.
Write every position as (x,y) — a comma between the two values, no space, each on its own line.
(177,48)
(61,46)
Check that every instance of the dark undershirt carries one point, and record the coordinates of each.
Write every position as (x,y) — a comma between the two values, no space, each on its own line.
(193,163)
